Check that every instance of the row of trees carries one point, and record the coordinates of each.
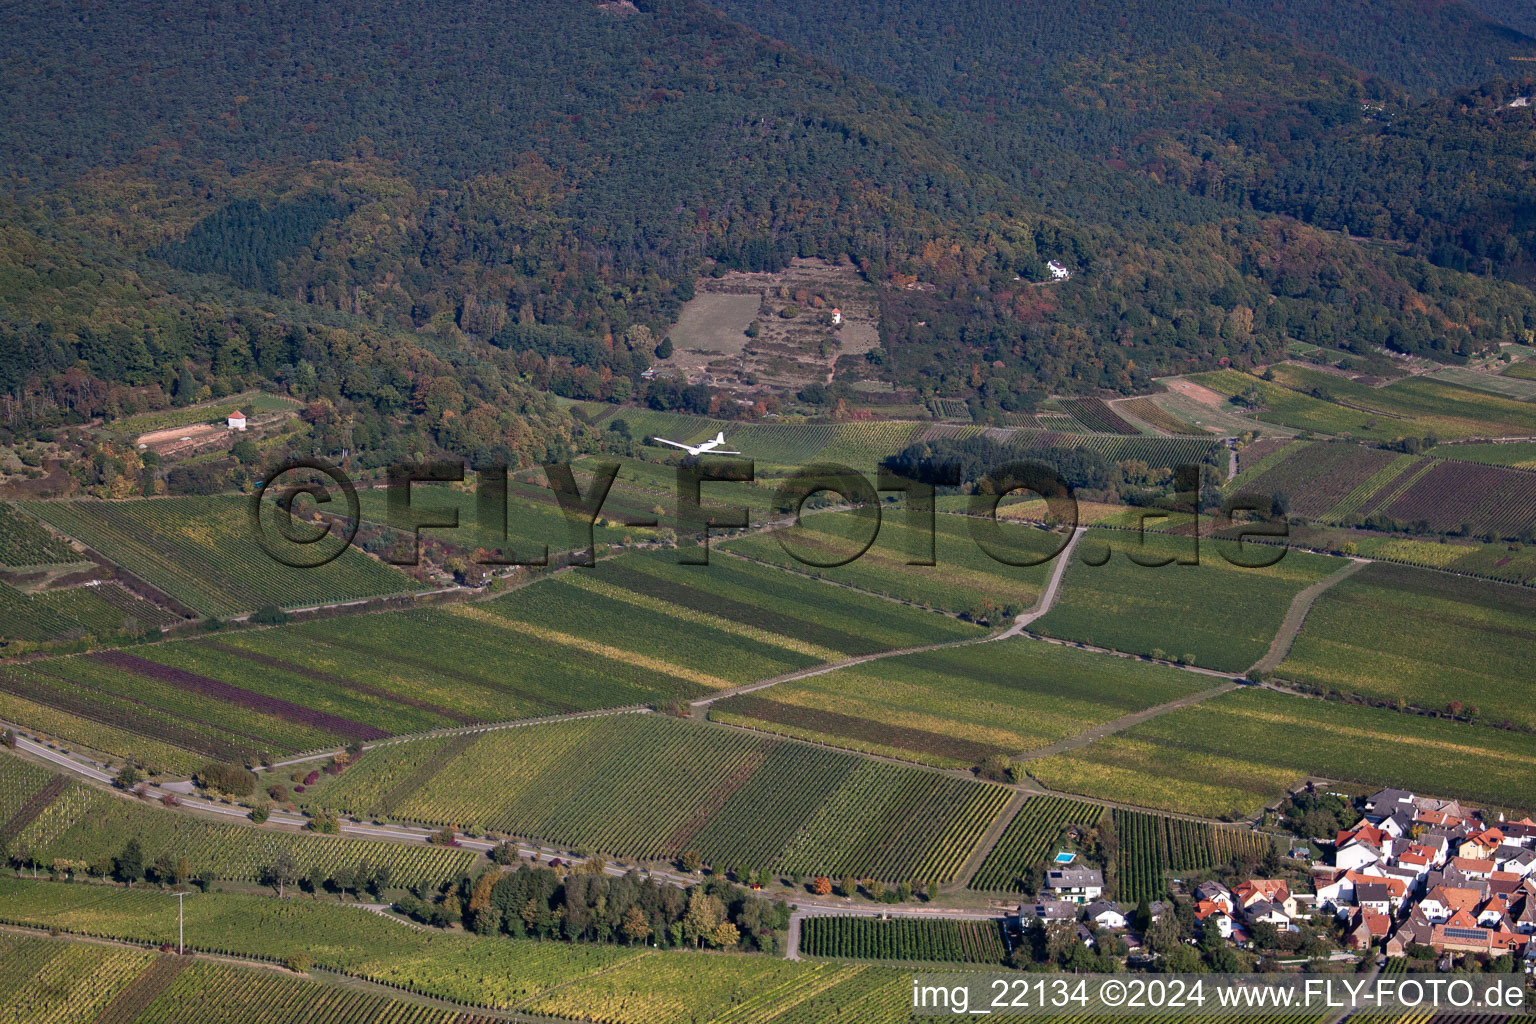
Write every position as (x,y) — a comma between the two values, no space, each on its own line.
(587,905)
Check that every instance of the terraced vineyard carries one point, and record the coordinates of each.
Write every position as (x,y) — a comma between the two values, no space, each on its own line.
(76,822)
(1223,615)
(1219,759)
(1029,840)
(202,552)
(647,787)
(1394,633)
(870,938)
(953,708)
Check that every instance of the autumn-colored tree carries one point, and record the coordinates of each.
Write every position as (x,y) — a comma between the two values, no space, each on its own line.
(635,927)
(703,916)
(725,936)
(692,861)
(822,886)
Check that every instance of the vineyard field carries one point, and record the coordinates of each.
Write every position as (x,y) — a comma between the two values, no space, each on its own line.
(953,708)
(1396,633)
(1223,615)
(202,552)
(1149,412)
(1466,496)
(495,971)
(1514,454)
(1097,416)
(963,572)
(26,542)
(65,982)
(81,823)
(870,938)
(647,787)
(639,629)
(1412,406)
(1029,840)
(1319,476)
(1219,759)
(1152,845)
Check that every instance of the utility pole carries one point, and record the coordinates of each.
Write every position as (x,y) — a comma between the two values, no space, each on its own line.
(181,946)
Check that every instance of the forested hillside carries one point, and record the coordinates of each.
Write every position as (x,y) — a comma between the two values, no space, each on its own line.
(493,200)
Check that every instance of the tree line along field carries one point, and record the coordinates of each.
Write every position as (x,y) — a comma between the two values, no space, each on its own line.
(1230,756)
(1152,845)
(636,630)
(1223,615)
(953,708)
(77,822)
(1423,638)
(64,982)
(1029,840)
(871,938)
(649,787)
(202,552)
(964,577)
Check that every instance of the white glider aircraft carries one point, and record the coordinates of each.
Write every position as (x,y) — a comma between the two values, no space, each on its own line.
(711,446)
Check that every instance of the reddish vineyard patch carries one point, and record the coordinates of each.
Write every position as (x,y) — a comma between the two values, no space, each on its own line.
(34,806)
(116,711)
(194,683)
(684,833)
(1456,494)
(1317,477)
(344,683)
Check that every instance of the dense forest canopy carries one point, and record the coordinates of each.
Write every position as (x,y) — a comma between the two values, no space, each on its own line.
(491,201)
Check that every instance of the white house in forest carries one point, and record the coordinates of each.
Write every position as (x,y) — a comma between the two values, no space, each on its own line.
(1058,272)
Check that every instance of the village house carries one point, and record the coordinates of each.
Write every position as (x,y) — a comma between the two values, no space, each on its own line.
(1106,915)
(1079,885)
(1049,910)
